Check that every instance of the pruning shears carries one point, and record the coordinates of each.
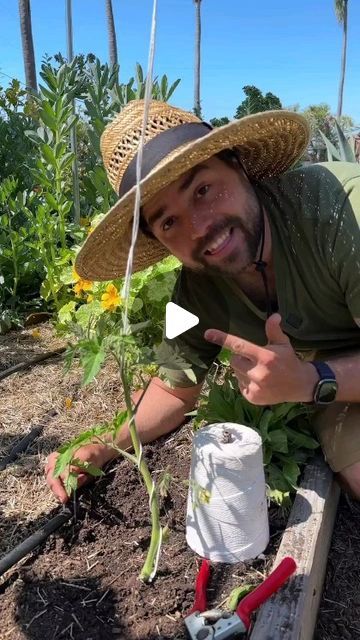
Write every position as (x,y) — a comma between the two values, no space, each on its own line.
(216,624)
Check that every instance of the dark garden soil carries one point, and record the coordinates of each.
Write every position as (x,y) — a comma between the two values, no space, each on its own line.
(339,613)
(84,584)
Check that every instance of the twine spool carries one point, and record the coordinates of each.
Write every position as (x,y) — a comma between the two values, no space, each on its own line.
(227,467)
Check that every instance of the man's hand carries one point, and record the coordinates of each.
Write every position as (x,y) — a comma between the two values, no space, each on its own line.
(270,374)
(97,454)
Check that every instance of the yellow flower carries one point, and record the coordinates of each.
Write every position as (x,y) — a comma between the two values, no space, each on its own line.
(81,285)
(75,275)
(111,299)
(90,298)
(68,403)
(90,230)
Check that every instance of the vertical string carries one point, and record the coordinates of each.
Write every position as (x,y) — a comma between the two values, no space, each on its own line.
(136,217)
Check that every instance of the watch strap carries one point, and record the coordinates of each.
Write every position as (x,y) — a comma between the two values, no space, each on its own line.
(323,369)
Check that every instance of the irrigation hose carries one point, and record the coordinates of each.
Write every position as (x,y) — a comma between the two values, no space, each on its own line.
(23,444)
(33,541)
(27,365)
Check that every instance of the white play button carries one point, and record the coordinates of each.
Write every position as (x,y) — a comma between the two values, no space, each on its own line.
(178,320)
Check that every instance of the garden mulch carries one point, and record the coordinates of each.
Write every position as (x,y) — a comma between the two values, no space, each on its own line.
(339,613)
(83,583)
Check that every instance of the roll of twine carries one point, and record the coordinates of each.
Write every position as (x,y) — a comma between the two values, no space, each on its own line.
(233,524)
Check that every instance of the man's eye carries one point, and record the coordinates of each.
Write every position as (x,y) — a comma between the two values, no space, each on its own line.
(167,222)
(202,191)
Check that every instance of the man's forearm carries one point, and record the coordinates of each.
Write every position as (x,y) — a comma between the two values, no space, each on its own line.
(347,372)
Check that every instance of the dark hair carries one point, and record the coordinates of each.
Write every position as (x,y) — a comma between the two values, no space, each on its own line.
(230,157)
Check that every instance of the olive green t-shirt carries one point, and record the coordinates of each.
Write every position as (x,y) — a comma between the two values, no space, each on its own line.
(314,216)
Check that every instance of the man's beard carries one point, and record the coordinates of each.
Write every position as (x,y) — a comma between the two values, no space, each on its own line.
(240,258)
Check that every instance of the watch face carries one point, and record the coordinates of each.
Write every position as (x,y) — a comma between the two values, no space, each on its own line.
(326,391)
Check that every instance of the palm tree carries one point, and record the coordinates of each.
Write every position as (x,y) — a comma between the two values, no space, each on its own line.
(341,10)
(113,57)
(197,103)
(27,45)
(73,137)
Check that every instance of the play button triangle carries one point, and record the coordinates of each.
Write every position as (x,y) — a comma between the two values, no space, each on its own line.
(178,320)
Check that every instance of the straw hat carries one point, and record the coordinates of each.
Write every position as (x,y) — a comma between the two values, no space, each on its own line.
(175,141)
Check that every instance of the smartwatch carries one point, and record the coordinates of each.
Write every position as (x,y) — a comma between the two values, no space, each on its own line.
(326,388)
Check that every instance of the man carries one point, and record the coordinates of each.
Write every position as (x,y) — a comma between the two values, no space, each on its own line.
(270,265)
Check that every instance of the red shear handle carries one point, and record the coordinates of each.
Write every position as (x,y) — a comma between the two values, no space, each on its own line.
(202,580)
(272,583)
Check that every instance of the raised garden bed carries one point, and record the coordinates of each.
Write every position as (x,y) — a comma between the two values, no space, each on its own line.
(90,570)
(83,582)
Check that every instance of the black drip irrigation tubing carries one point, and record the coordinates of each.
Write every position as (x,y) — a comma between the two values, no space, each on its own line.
(23,444)
(30,363)
(21,550)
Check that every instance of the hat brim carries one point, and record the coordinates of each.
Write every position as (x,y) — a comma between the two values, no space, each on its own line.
(269,143)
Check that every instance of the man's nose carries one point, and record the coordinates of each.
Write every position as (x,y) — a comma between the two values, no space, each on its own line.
(200,225)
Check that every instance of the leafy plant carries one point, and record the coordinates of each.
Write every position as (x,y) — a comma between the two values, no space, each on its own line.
(343,151)
(103,338)
(20,266)
(284,429)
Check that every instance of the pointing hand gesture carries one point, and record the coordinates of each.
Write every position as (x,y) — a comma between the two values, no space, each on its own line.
(270,374)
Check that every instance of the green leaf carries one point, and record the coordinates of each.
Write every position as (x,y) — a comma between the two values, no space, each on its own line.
(88,467)
(136,305)
(49,155)
(70,483)
(278,440)
(66,312)
(276,479)
(33,136)
(346,152)
(88,312)
(118,422)
(300,439)
(172,88)
(332,152)
(48,116)
(91,361)
(281,498)
(263,425)
(51,201)
(291,472)
(239,409)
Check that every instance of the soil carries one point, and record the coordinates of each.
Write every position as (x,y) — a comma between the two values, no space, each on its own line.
(339,613)
(84,584)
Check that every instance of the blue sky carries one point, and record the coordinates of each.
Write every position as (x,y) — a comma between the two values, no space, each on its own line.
(289,47)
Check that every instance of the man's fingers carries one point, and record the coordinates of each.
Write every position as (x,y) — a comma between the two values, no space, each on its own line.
(234,343)
(241,365)
(274,332)
(57,487)
(57,484)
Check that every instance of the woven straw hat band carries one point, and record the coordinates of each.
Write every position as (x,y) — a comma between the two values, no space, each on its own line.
(159,148)
(120,140)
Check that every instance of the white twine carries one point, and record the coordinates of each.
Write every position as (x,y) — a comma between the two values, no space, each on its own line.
(135,228)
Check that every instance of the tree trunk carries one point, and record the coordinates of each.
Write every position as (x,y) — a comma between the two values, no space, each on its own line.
(113,57)
(197,103)
(27,45)
(73,137)
(343,62)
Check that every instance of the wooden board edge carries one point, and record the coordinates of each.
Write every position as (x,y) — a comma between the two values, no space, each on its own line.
(291,613)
